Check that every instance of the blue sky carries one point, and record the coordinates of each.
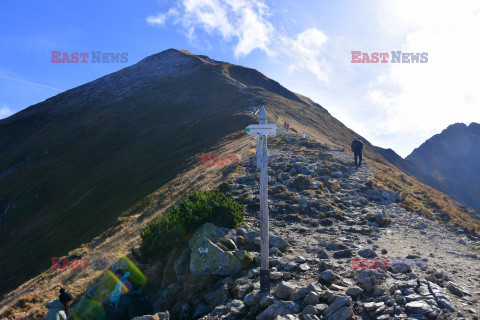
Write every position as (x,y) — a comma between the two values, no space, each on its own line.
(305,45)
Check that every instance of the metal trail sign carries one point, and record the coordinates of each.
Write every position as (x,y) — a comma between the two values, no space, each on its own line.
(262,130)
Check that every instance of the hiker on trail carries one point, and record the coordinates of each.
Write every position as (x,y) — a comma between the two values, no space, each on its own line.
(357,147)
(57,309)
(130,305)
(285,125)
(119,289)
(288,126)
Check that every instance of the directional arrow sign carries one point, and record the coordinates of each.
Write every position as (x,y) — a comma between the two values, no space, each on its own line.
(261,129)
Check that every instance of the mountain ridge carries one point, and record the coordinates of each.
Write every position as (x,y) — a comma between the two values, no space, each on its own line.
(73,163)
(452,158)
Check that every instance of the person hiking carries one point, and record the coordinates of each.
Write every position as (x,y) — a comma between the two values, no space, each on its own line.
(57,309)
(121,287)
(357,147)
(130,305)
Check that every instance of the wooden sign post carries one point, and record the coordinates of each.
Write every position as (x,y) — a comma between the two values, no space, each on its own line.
(262,130)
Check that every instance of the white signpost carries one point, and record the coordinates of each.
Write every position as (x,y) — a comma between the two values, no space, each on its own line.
(262,130)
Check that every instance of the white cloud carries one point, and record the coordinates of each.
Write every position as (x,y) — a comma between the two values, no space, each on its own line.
(246,23)
(242,21)
(159,19)
(305,53)
(405,104)
(5,112)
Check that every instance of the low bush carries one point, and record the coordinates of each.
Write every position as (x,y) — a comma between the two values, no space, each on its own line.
(208,206)
(161,236)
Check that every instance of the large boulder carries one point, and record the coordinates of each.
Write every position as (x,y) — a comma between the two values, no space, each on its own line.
(279,309)
(207,258)
(284,290)
(207,231)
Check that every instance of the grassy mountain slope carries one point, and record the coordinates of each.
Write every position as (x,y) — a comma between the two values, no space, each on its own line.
(452,158)
(72,164)
(114,147)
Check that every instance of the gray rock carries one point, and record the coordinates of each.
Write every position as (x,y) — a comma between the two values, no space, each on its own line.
(315,286)
(206,258)
(180,266)
(228,243)
(266,300)
(345,312)
(242,290)
(284,290)
(456,289)
(209,231)
(312,298)
(369,306)
(328,276)
(300,259)
(299,294)
(163,315)
(279,243)
(337,304)
(303,267)
(202,309)
(218,296)
(418,307)
(401,268)
(444,303)
(310,310)
(290,266)
(340,254)
(287,317)
(323,255)
(354,291)
(275,275)
(367,279)
(279,309)
(251,298)
(367,253)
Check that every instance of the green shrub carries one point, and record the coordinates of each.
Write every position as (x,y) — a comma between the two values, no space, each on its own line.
(160,237)
(208,206)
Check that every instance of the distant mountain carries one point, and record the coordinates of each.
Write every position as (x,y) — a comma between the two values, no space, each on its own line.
(452,159)
(408,167)
(71,165)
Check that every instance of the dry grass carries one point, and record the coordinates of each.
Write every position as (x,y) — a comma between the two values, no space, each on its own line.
(424,200)
(27,301)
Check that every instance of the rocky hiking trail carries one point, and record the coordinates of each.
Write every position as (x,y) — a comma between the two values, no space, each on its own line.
(339,249)
(329,214)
